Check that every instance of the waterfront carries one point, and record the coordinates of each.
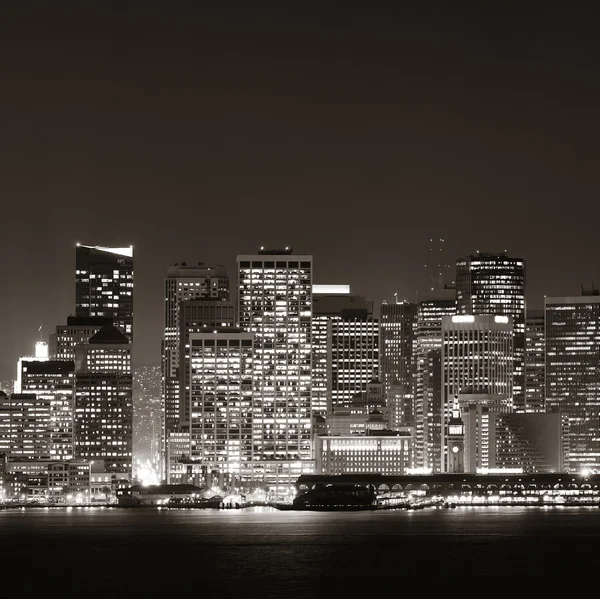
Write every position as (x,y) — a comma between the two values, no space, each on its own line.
(266,553)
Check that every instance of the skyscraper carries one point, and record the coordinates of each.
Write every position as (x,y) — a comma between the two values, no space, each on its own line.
(495,284)
(397,328)
(25,427)
(78,330)
(428,394)
(535,362)
(221,405)
(573,372)
(345,338)
(275,303)
(184,283)
(52,382)
(104,284)
(104,401)
(477,359)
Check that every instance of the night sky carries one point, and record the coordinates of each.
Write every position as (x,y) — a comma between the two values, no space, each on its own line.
(354,136)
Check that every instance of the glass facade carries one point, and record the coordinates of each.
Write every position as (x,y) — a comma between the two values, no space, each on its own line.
(535,362)
(184,283)
(104,403)
(221,399)
(477,358)
(573,373)
(428,395)
(104,284)
(397,324)
(275,303)
(495,284)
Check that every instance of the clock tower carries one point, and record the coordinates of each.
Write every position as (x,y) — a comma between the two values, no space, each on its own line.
(456,440)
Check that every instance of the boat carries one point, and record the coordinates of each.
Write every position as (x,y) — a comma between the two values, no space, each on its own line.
(333,498)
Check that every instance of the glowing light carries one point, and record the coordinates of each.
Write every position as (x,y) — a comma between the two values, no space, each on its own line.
(499,470)
(126,251)
(501,319)
(147,476)
(419,470)
(463,318)
(331,289)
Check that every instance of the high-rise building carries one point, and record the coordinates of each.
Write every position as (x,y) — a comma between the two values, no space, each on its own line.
(104,401)
(196,316)
(477,358)
(397,329)
(104,284)
(428,388)
(345,347)
(52,382)
(184,283)
(573,372)
(275,303)
(41,355)
(25,427)
(495,284)
(78,330)
(221,400)
(535,362)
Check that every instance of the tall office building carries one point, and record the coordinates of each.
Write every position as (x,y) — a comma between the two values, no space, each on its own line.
(25,427)
(428,388)
(195,316)
(495,284)
(41,355)
(221,400)
(78,330)
(397,329)
(477,358)
(535,362)
(345,347)
(184,283)
(104,401)
(275,303)
(104,284)
(52,382)
(573,372)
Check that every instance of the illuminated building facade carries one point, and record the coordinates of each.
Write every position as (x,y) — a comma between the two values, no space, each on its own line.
(573,373)
(41,355)
(78,330)
(104,401)
(477,357)
(69,482)
(275,303)
(428,392)
(397,328)
(385,453)
(221,400)
(197,316)
(52,381)
(345,352)
(183,283)
(25,427)
(104,284)
(494,284)
(535,362)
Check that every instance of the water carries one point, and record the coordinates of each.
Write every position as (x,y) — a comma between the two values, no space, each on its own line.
(262,553)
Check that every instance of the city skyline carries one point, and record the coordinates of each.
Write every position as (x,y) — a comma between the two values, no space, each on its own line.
(354,136)
(148,352)
(305,296)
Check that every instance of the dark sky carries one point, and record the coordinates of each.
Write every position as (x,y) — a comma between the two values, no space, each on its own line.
(355,135)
